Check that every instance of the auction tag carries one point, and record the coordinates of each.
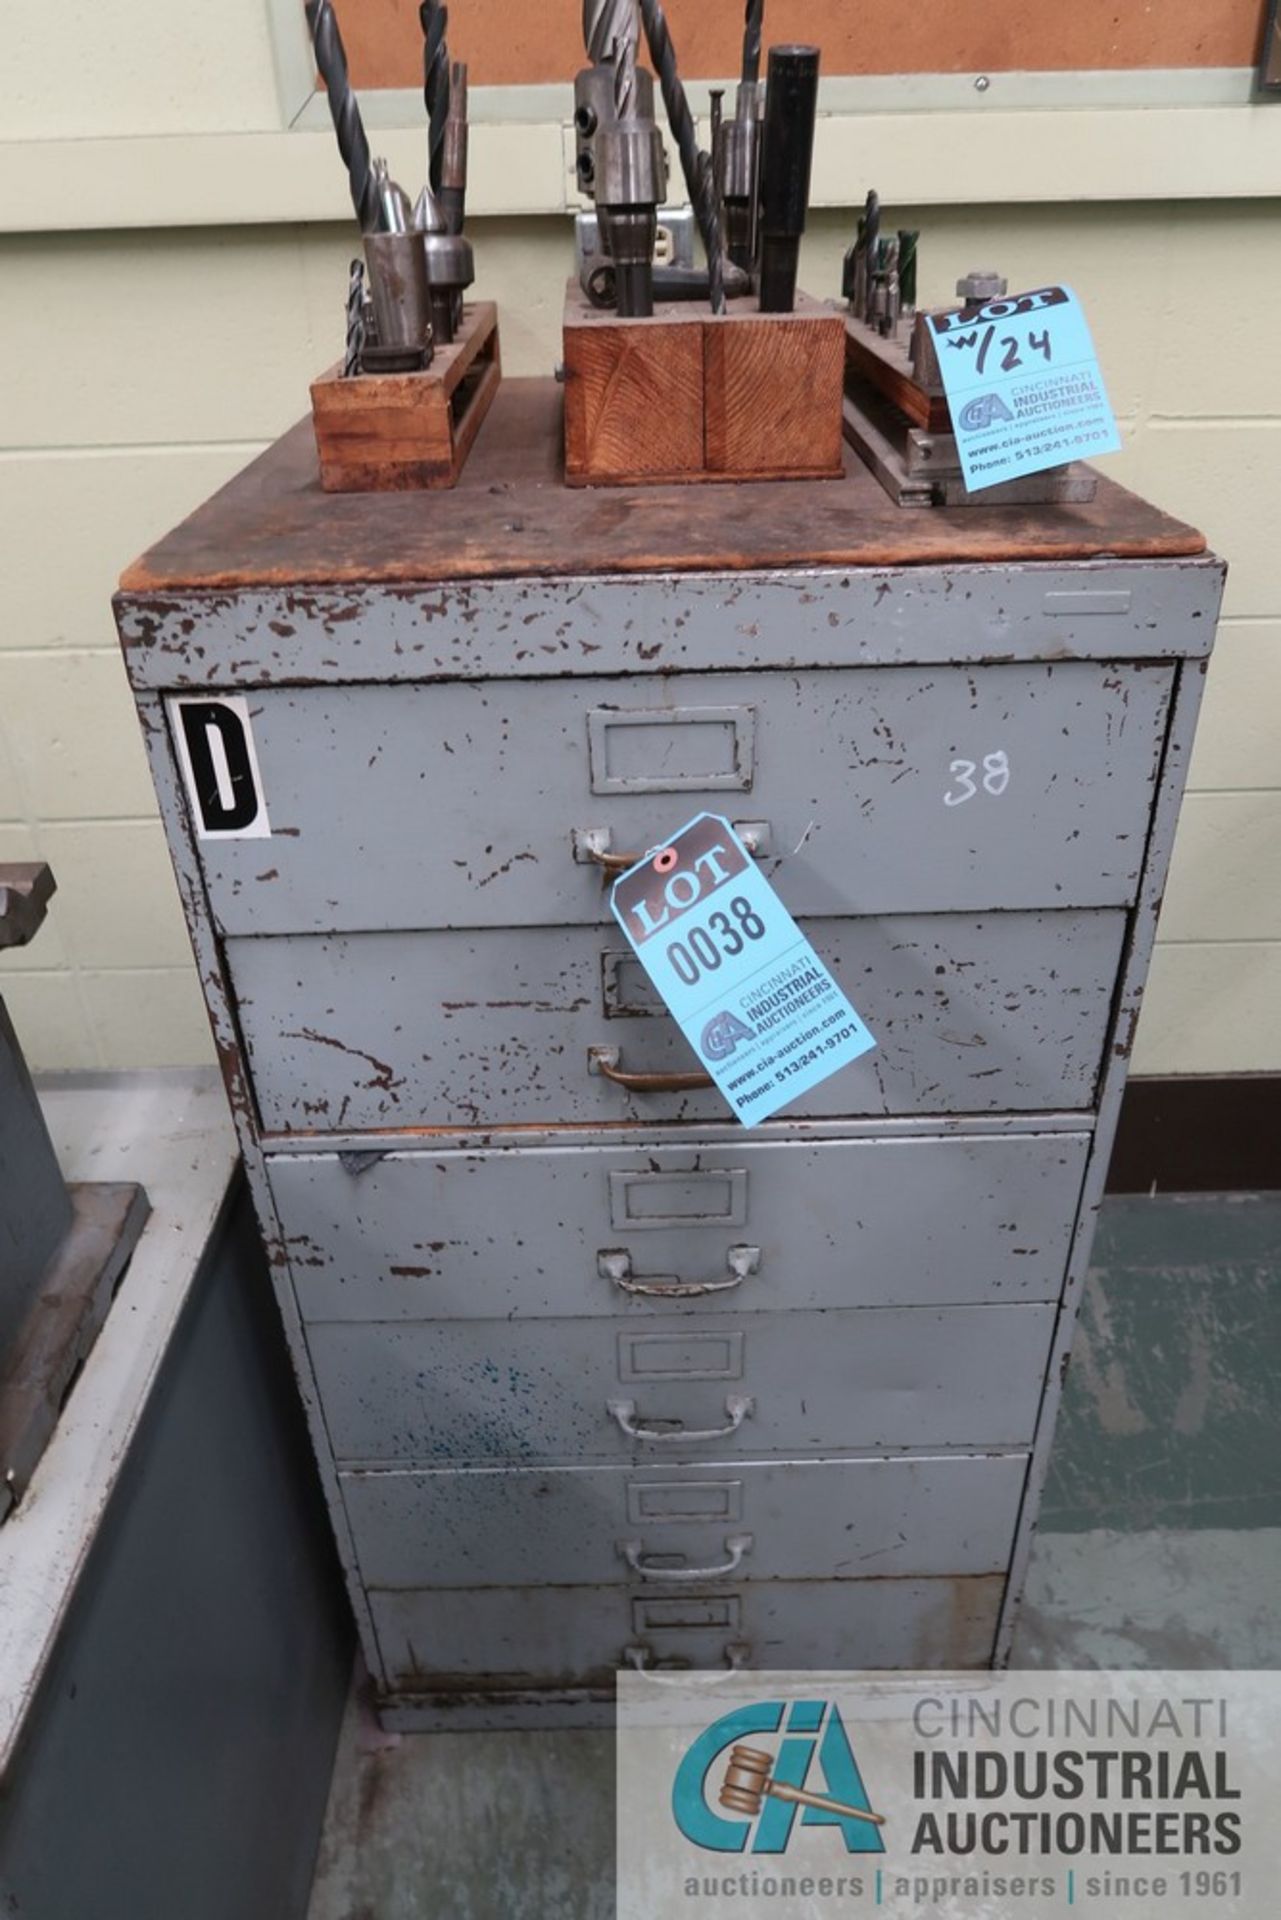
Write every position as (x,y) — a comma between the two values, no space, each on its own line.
(1023,385)
(744,984)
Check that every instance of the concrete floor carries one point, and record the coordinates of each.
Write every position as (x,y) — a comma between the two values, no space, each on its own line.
(1160,1547)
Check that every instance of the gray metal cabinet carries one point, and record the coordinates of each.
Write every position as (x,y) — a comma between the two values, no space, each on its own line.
(596,1377)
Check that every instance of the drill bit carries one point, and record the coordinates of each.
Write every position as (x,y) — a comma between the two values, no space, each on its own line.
(695,165)
(871,250)
(348,125)
(355,320)
(434,20)
(753,22)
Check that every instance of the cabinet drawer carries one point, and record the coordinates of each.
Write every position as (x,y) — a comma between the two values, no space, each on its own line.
(514,1233)
(552,1390)
(1003,1012)
(888,790)
(457,1640)
(761,1520)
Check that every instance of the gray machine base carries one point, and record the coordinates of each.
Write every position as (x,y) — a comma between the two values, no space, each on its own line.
(62,1323)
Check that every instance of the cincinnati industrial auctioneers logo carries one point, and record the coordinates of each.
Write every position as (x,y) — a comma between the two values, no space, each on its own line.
(813,1775)
(1013,1799)
(983,411)
(722,1034)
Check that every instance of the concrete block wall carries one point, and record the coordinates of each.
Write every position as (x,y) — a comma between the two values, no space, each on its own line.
(145,366)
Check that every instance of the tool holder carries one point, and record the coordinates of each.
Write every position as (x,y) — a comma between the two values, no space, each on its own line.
(901,428)
(394,432)
(687,395)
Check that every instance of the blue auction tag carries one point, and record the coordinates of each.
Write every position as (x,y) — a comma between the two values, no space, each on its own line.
(744,984)
(1023,386)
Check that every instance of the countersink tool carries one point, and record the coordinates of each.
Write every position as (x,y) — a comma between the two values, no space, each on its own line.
(450,265)
(630,168)
(700,181)
(353,145)
(787,151)
(747,1782)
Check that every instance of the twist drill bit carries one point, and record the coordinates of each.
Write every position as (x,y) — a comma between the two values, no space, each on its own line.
(433,18)
(700,182)
(753,22)
(355,320)
(348,125)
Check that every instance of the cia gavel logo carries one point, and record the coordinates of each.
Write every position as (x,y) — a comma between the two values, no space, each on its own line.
(748,1781)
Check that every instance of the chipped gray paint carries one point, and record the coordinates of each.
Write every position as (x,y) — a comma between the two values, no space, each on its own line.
(971,1013)
(835,1519)
(998,952)
(459,805)
(537,1392)
(665,623)
(451,1234)
(430,1643)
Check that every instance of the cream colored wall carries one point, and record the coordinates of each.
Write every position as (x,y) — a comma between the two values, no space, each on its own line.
(144,366)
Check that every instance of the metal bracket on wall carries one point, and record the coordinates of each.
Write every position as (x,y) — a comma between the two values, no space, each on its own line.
(1267,85)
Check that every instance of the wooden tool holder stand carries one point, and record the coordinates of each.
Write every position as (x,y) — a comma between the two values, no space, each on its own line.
(687,395)
(392,432)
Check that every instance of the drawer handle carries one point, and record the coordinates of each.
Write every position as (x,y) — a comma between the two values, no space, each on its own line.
(643,1659)
(604,1062)
(736,1545)
(737,1406)
(615,1263)
(592,846)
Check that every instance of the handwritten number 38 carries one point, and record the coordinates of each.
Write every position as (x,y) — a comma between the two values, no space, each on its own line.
(996,778)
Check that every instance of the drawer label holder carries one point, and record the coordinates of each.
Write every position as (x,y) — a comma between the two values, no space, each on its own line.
(735,971)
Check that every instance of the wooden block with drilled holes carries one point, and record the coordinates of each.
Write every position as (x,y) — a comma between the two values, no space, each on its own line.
(686,396)
(888,365)
(392,432)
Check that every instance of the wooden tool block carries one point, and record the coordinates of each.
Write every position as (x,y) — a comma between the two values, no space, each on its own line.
(888,365)
(687,395)
(391,432)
